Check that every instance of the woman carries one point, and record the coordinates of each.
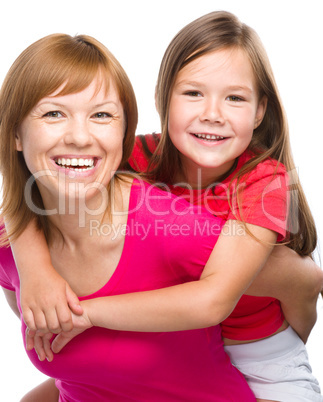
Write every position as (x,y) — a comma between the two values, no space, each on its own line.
(68,116)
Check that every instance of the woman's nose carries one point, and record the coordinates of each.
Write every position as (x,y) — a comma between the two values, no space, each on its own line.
(78,133)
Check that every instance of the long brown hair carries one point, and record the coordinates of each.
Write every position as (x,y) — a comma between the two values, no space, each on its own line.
(222,30)
(39,71)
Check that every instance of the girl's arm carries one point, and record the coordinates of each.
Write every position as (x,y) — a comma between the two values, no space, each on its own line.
(46,298)
(208,301)
(235,261)
(232,266)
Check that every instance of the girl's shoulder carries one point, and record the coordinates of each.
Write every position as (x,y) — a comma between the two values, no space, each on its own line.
(264,171)
(145,146)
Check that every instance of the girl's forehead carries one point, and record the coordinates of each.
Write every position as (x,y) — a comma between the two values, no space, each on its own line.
(222,64)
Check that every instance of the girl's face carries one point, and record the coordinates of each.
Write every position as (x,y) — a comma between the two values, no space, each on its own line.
(214,109)
(70,142)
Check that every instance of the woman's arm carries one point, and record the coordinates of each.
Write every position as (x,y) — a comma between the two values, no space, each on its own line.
(12,301)
(296,282)
(46,298)
(45,391)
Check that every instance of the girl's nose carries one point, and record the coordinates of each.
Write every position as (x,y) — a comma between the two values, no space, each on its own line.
(212,112)
(78,134)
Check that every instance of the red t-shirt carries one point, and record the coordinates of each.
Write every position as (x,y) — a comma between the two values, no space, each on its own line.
(264,203)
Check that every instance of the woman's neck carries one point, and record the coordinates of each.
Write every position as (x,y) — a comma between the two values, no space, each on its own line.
(77,220)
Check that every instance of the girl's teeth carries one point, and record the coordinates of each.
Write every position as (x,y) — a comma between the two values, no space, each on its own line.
(209,137)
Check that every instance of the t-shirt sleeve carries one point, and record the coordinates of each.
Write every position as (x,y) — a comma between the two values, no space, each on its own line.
(8,273)
(264,198)
(144,147)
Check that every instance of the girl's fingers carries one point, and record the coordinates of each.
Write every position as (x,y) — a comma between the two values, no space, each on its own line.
(64,317)
(43,347)
(73,301)
(30,334)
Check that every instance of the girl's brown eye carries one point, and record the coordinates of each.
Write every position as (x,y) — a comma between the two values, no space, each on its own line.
(192,93)
(234,98)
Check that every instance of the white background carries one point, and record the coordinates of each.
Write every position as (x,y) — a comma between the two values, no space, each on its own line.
(137,32)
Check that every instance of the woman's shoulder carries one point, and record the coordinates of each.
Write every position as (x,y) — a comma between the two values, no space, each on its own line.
(9,278)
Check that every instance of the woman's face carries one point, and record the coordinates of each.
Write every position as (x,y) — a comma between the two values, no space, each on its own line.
(73,143)
(214,109)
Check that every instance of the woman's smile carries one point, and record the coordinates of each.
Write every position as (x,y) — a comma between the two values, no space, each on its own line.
(77,164)
(78,136)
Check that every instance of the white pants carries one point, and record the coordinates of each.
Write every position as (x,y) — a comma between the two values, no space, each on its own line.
(277,368)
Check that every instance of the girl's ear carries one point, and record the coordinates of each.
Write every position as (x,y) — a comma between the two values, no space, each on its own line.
(156,106)
(261,110)
(18,141)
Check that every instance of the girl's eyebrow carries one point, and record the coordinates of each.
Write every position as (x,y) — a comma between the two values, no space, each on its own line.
(189,83)
(244,88)
(240,88)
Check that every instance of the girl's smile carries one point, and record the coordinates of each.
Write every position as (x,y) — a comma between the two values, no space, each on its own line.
(214,109)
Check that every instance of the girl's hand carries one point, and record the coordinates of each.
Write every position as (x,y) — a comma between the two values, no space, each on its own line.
(47,303)
(80,324)
(41,341)
(45,297)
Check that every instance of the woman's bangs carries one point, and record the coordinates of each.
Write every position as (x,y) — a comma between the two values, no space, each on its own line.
(77,79)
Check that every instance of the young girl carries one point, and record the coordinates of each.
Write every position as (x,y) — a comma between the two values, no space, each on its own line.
(224,145)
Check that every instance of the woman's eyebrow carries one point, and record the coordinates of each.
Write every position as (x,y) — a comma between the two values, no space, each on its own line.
(59,104)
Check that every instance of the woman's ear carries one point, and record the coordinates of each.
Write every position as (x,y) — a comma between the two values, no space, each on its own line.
(261,110)
(18,141)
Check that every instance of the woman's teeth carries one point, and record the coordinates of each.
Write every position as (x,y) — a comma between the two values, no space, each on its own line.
(209,137)
(79,164)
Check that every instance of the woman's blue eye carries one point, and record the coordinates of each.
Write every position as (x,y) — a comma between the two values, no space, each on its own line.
(102,115)
(54,114)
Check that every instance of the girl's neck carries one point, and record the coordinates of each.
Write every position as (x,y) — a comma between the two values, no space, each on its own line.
(197,177)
